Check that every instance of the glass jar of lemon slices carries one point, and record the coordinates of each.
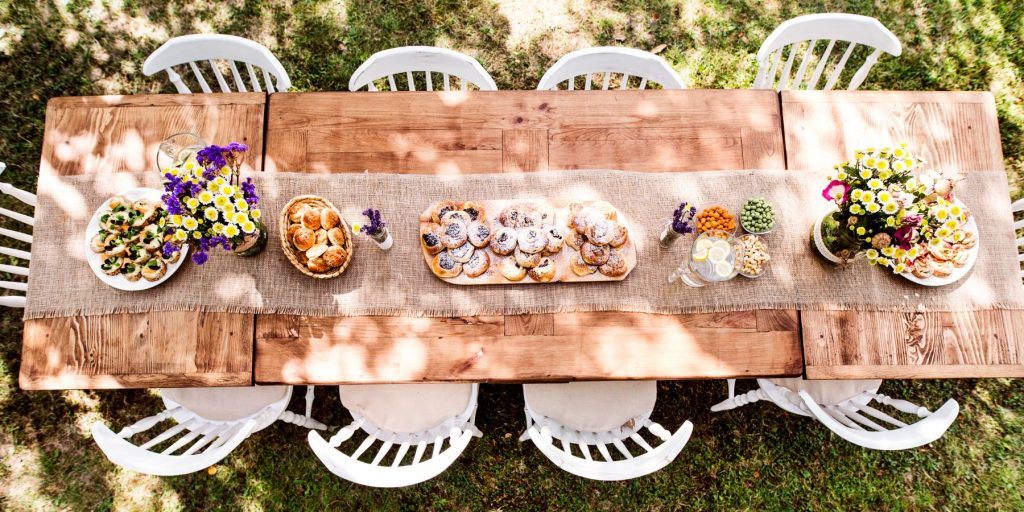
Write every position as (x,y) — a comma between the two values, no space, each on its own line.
(714,257)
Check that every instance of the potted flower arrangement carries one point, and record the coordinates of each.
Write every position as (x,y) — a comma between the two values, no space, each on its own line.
(894,214)
(210,207)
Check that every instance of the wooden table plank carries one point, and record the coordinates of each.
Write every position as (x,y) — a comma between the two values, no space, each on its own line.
(953,131)
(166,349)
(452,133)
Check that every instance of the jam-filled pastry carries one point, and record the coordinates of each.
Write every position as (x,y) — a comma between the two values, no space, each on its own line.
(154,269)
(600,232)
(318,264)
(336,236)
(594,254)
(526,259)
(574,239)
(454,234)
(443,265)
(580,267)
(556,238)
(442,208)
(479,234)
(504,241)
(329,219)
(304,238)
(462,253)
(456,215)
(619,234)
(543,272)
(532,239)
(475,211)
(615,266)
(512,270)
(335,256)
(430,237)
(477,265)
(311,219)
(510,217)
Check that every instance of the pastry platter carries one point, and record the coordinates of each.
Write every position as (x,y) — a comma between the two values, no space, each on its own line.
(526,242)
(946,259)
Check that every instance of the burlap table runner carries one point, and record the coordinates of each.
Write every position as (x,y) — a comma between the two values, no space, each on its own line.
(398,282)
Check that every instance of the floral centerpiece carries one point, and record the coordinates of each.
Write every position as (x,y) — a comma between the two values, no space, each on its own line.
(681,224)
(888,209)
(375,228)
(209,207)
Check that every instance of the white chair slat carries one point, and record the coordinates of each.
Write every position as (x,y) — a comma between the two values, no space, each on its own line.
(403,449)
(14,269)
(1018,205)
(198,73)
(411,83)
(447,82)
(12,301)
(269,81)
(209,436)
(588,82)
(169,433)
(862,72)
(820,68)
(179,83)
(239,82)
(382,452)
(841,417)
(15,253)
(14,285)
(788,68)
(871,411)
(186,439)
(806,59)
(605,80)
(20,217)
(641,441)
(421,448)
(219,76)
(365,445)
(838,70)
(851,412)
(625,82)
(430,81)
(391,83)
(622,448)
(21,195)
(255,82)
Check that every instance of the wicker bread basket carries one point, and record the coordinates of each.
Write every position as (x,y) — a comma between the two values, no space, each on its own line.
(290,250)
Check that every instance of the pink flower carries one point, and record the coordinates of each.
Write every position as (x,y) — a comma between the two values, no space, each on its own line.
(834,186)
(905,236)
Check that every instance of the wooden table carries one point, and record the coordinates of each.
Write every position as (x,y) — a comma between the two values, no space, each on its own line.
(168,349)
(953,131)
(514,131)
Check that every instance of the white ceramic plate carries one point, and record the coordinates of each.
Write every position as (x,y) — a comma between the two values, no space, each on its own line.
(958,273)
(95,260)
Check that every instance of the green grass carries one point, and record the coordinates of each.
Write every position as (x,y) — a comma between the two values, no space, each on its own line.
(753,458)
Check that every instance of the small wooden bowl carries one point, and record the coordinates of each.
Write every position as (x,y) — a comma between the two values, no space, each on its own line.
(289,249)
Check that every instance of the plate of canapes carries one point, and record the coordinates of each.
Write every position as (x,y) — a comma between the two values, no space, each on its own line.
(948,261)
(315,238)
(124,241)
(526,242)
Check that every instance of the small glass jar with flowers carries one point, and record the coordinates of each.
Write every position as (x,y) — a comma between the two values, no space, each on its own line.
(209,206)
(375,229)
(681,224)
(874,196)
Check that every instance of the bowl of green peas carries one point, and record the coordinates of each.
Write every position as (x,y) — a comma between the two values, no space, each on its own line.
(757,216)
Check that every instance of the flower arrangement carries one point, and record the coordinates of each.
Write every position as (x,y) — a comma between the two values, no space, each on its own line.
(207,205)
(376,229)
(681,224)
(890,210)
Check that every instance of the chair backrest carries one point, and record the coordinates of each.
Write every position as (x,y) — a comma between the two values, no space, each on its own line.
(801,37)
(407,63)
(1017,207)
(627,64)
(398,467)
(194,443)
(15,301)
(214,51)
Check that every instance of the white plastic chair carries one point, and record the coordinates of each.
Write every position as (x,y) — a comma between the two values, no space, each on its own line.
(413,60)
(404,416)
(211,422)
(604,416)
(805,32)
(216,49)
(845,407)
(15,301)
(1017,207)
(609,61)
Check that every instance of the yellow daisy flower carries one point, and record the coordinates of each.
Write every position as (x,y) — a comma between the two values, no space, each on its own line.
(890,208)
(192,203)
(231,231)
(872,207)
(861,231)
(228,190)
(255,214)
(181,235)
(875,183)
(872,254)
(239,218)
(248,226)
(241,204)
(884,196)
(176,220)
(856,194)
(211,213)
(219,181)
(190,223)
(867,197)
(865,174)
(888,251)
(206,197)
(222,202)
(218,228)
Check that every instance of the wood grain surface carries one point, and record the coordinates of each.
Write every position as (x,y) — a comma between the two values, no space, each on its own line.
(522,131)
(167,349)
(953,132)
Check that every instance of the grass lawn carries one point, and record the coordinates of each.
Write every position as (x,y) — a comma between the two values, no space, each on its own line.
(755,457)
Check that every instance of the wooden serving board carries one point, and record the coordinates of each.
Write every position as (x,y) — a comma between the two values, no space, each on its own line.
(563,272)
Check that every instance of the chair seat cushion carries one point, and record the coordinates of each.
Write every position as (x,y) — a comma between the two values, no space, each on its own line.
(828,392)
(406,408)
(592,406)
(225,404)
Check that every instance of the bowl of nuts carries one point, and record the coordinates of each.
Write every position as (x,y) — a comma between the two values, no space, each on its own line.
(755,256)
(716,217)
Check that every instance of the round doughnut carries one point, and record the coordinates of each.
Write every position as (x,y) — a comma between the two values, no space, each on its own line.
(430,237)
(441,208)
(475,211)
(479,233)
(527,259)
(556,238)
(543,272)
(615,266)
(462,253)
(532,239)
(511,270)
(580,267)
(594,254)
(454,234)
(478,264)
(504,241)
(443,265)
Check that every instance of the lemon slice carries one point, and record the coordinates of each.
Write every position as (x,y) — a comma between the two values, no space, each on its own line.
(703,245)
(723,269)
(718,254)
(700,255)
